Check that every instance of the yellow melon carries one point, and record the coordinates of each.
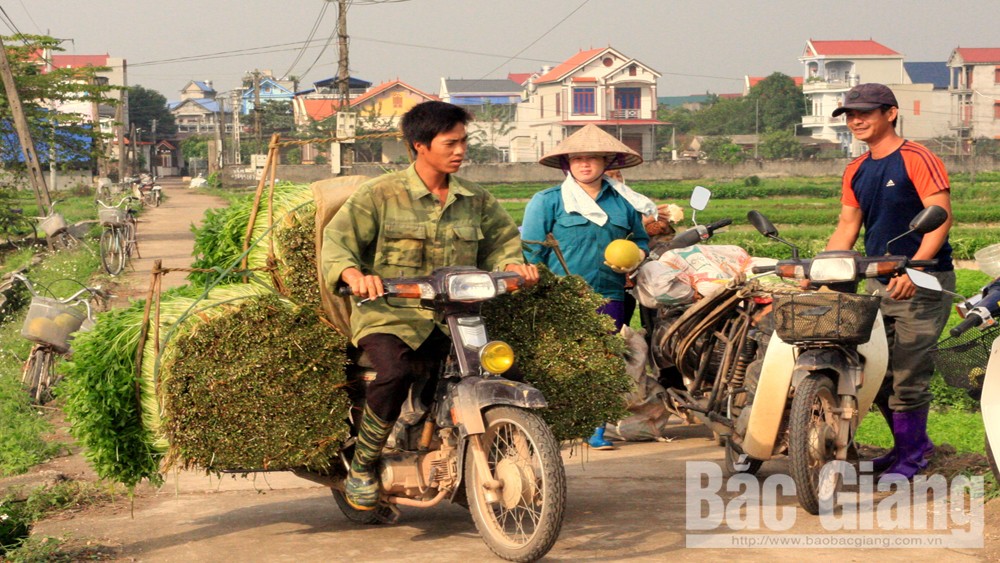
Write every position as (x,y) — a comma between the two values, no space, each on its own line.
(623,254)
(67,322)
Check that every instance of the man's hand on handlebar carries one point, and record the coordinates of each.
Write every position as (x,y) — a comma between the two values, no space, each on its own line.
(529,272)
(901,287)
(363,286)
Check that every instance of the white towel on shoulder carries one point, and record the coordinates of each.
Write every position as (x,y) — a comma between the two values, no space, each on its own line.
(576,200)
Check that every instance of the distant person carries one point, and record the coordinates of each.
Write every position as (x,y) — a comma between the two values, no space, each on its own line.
(882,190)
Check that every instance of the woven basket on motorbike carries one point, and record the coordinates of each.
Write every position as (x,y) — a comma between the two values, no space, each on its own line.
(825,316)
(962,359)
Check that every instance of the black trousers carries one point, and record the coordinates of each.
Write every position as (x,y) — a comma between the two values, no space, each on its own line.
(396,366)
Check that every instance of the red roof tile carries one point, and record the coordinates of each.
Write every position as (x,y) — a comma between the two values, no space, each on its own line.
(77,61)
(568,65)
(849,48)
(385,86)
(320,109)
(519,77)
(979,55)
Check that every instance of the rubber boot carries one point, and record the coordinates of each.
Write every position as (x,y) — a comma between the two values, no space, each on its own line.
(361,486)
(598,442)
(909,431)
(883,462)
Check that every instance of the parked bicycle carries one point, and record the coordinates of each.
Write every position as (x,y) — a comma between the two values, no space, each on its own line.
(56,230)
(118,238)
(50,324)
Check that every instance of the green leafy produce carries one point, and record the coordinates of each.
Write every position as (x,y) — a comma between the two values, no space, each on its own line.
(272,397)
(566,349)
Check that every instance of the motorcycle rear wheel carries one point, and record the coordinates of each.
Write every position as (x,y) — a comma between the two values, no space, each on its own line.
(381,514)
(812,433)
(524,455)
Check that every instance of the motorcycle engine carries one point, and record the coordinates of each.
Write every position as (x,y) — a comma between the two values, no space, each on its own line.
(418,475)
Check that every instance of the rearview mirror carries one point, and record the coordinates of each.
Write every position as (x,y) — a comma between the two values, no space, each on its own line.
(763,225)
(700,197)
(924,280)
(929,219)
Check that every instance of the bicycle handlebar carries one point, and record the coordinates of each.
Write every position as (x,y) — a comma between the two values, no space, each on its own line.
(971,320)
(75,298)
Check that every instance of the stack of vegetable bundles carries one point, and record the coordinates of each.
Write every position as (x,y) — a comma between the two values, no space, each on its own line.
(246,371)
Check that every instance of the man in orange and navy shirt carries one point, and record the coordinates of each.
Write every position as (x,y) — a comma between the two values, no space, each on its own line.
(882,191)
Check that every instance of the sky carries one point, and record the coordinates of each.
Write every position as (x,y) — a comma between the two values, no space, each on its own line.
(708,45)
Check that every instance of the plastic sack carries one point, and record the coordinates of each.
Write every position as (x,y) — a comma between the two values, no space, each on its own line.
(647,400)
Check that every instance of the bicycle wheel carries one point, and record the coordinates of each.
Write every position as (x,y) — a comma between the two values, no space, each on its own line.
(112,252)
(20,232)
(37,371)
(130,243)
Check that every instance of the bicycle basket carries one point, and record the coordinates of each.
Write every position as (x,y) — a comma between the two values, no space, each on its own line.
(53,224)
(51,322)
(962,359)
(111,215)
(845,318)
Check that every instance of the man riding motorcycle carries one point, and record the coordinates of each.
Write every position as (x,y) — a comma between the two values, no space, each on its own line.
(405,224)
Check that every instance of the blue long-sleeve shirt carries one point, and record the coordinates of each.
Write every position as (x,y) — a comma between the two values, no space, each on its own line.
(581,241)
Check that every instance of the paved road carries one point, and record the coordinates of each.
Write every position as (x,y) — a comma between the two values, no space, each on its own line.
(628,504)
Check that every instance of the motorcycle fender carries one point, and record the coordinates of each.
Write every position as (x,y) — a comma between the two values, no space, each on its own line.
(828,359)
(990,400)
(876,355)
(770,399)
(473,394)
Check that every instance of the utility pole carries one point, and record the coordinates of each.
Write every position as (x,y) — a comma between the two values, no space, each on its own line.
(236,128)
(152,151)
(120,115)
(256,106)
(24,135)
(343,78)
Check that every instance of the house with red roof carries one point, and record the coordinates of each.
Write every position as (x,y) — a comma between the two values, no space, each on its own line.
(600,86)
(831,68)
(975,93)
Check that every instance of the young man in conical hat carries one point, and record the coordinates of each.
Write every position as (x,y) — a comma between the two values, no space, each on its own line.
(585,214)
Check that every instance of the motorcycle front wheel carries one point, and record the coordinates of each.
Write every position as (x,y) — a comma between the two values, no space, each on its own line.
(812,436)
(524,456)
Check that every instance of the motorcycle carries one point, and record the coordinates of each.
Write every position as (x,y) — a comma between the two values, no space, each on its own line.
(477,428)
(973,363)
(822,365)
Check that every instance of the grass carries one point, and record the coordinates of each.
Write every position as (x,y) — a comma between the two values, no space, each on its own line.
(962,429)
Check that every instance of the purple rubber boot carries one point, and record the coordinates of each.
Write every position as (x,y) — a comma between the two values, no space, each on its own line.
(909,431)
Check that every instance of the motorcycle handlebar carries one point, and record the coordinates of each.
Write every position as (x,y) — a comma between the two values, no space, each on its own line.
(762,269)
(971,320)
(923,263)
(344,291)
(718,225)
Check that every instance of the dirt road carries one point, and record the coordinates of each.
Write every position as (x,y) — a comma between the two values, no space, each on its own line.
(628,504)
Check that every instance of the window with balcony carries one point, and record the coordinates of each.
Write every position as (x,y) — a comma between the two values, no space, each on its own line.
(627,103)
(583,101)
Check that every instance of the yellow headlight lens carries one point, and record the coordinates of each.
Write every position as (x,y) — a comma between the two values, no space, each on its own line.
(496,357)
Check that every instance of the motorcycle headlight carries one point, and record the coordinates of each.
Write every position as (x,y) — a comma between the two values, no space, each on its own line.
(471,287)
(496,357)
(833,270)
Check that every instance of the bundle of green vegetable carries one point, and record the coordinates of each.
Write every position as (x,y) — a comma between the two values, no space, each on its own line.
(287,220)
(565,349)
(271,397)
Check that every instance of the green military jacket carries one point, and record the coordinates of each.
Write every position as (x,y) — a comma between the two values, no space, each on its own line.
(393,226)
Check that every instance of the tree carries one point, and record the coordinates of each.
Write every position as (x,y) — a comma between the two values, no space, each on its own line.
(145,105)
(722,149)
(726,116)
(777,102)
(490,123)
(780,144)
(42,91)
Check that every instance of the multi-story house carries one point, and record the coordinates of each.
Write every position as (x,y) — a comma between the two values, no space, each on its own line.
(199,111)
(834,67)
(975,93)
(599,86)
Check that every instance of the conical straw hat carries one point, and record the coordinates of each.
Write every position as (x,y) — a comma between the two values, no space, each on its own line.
(592,140)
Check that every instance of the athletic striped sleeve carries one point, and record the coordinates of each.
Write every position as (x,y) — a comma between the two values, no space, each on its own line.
(925,169)
(847,196)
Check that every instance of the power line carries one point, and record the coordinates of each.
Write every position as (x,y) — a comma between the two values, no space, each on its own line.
(329,40)
(25,8)
(312,33)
